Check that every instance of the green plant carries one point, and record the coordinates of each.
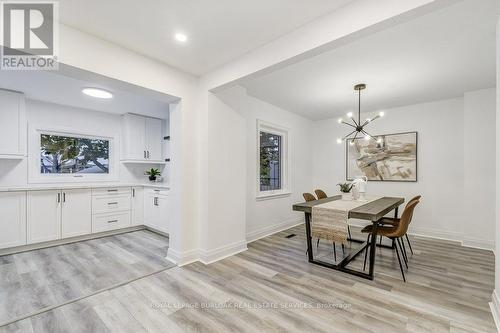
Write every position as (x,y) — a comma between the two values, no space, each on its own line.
(345,187)
(153,173)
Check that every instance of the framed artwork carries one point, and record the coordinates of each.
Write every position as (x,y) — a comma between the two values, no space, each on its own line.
(394,158)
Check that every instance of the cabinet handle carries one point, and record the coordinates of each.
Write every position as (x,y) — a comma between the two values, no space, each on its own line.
(133,192)
(58,197)
(144,154)
(113,190)
(113,221)
(112,203)
(64,197)
(148,153)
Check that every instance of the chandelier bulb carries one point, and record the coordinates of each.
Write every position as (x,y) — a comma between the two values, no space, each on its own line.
(367,137)
(339,141)
(340,120)
(381,113)
(349,114)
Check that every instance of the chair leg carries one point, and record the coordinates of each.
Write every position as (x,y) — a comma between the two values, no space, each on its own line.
(380,241)
(409,244)
(400,265)
(349,232)
(403,254)
(343,251)
(404,250)
(334,252)
(317,243)
(366,250)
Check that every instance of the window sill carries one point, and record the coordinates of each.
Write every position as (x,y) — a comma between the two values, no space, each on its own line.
(274,195)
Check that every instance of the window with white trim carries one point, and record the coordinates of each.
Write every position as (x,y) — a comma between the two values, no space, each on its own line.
(272,160)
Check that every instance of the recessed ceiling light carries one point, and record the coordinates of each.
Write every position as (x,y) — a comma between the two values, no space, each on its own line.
(180,37)
(97,93)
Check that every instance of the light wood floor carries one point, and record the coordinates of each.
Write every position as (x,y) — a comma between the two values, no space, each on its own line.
(271,287)
(34,280)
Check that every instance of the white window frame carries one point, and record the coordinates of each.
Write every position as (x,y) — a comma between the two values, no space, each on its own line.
(285,160)
(34,147)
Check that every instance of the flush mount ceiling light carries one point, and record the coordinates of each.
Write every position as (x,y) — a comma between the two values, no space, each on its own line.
(359,128)
(97,93)
(180,37)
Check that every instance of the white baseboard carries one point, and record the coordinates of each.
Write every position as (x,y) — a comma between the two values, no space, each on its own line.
(495,309)
(479,243)
(211,256)
(270,230)
(182,258)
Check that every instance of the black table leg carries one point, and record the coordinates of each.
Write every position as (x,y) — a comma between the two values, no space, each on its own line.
(396,210)
(373,247)
(308,236)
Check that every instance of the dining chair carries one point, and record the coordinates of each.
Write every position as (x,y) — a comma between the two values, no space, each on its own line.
(394,232)
(394,221)
(320,194)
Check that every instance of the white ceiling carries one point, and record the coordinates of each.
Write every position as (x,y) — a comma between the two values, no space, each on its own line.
(60,89)
(219,30)
(440,55)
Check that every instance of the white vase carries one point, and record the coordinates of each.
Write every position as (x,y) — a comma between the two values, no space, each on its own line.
(346,196)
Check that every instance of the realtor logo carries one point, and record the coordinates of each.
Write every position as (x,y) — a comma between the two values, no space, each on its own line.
(29,35)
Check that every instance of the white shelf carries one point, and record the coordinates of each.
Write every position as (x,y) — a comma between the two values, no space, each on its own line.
(142,162)
(12,157)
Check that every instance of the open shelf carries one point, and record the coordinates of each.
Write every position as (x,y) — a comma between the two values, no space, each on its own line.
(12,157)
(142,162)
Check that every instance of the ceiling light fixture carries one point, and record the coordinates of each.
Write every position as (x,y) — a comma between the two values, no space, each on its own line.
(180,37)
(359,128)
(97,93)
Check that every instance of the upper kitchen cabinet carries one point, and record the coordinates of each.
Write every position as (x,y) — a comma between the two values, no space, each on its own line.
(13,125)
(142,139)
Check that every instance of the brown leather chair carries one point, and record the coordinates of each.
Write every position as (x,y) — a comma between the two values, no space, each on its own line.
(308,197)
(394,221)
(394,232)
(320,194)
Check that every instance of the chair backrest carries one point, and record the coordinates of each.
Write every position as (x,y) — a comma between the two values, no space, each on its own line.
(320,194)
(308,197)
(417,198)
(405,220)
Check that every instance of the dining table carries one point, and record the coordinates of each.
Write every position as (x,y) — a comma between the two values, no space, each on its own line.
(372,211)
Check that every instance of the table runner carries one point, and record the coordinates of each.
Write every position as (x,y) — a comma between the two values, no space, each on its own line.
(329,220)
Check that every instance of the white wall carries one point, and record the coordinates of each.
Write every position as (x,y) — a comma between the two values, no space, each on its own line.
(273,214)
(441,165)
(479,168)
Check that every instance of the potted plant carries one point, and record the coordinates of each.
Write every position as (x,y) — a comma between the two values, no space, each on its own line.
(153,173)
(345,189)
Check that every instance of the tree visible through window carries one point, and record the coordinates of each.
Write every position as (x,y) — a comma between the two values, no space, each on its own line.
(270,161)
(63,154)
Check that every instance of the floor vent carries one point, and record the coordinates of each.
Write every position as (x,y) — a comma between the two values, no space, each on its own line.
(291,236)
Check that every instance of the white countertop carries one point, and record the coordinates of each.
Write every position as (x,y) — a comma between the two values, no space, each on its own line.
(61,186)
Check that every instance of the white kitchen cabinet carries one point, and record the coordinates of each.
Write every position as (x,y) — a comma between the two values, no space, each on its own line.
(13,219)
(134,137)
(13,125)
(154,139)
(156,209)
(76,213)
(43,216)
(137,206)
(142,139)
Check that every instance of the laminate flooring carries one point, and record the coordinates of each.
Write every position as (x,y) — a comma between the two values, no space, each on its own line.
(272,288)
(35,280)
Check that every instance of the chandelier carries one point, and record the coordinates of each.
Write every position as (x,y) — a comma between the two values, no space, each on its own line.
(359,128)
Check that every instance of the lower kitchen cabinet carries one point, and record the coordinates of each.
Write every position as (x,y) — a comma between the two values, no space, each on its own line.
(43,216)
(13,221)
(137,206)
(156,209)
(76,213)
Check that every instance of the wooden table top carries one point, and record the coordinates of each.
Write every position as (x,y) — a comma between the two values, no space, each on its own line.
(372,211)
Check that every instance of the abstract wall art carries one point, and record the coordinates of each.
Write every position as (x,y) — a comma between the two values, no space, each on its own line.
(393,157)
